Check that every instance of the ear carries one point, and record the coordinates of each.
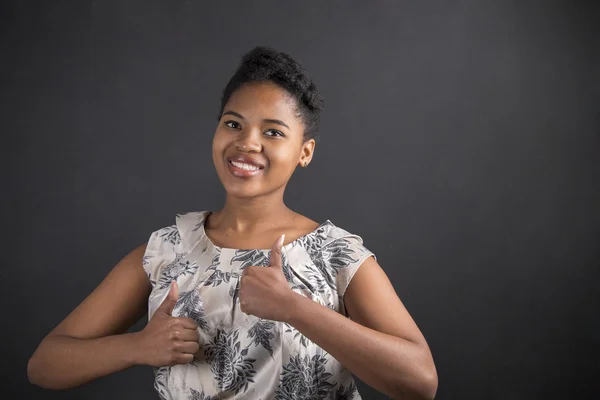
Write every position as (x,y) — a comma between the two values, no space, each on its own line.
(306,154)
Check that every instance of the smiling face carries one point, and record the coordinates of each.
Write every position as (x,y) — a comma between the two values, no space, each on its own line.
(259,141)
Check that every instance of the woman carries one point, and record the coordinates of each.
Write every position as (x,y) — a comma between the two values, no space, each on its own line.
(253,301)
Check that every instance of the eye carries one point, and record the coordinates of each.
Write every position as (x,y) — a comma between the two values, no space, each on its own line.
(274,133)
(232,124)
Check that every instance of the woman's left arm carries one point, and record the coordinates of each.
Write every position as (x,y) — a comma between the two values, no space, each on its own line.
(384,347)
(381,345)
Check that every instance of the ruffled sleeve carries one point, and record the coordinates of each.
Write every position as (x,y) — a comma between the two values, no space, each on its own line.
(160,251)
(349,255)
(168,244)
(345,253)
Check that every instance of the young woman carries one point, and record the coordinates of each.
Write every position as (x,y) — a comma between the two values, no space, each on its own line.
(253,301)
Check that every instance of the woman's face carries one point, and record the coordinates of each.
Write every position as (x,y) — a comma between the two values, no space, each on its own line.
(259,141)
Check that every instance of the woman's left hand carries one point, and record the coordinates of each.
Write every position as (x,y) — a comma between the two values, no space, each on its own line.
(264,291)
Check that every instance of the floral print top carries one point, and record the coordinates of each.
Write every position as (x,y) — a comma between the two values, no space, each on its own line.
(242,356)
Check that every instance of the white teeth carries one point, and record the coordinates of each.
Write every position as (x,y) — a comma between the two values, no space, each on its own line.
(246,167)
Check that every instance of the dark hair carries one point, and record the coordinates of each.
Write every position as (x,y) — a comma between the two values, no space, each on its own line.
(266,64)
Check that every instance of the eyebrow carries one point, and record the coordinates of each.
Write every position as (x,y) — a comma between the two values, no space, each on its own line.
(272,121)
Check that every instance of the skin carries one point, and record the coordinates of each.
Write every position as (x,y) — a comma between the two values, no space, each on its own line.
(381,343)
(254,214)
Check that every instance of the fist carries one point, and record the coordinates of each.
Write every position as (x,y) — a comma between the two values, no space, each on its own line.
(264,291)
(168,340)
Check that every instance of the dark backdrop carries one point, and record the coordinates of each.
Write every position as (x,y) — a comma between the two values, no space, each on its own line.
(461,140)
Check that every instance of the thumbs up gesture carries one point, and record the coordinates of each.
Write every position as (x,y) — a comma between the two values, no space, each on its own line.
(168,340)
(264,291)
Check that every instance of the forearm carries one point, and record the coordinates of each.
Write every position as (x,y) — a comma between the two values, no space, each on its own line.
(392,365)
(63,362)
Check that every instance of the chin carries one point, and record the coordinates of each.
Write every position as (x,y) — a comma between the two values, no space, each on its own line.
(243,191)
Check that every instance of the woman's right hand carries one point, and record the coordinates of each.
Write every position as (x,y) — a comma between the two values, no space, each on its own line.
(168,340)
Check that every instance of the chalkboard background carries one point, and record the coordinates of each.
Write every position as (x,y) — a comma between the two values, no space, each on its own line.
(468,132)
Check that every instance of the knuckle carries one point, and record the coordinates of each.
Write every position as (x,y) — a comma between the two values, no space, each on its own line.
(172,323)
(177,346)
(174,335)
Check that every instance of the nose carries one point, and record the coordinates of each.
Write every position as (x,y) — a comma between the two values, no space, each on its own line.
(248,141)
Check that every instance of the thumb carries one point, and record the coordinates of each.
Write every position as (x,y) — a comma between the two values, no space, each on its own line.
(276,252)
(169,302)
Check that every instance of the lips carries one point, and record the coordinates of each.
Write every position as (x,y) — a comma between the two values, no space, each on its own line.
(240,158)
(244,167)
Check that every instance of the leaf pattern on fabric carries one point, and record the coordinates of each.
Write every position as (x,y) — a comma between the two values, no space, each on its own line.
(200,223)
(304,378)
(331,258)
(196,395)
(287,270)
(161,380)
(146,260)
(218,276)
(340,253)
(251,258)
(304,341)
(247,258)
(152,281)
(145,264)
(313,242)
(175,269)
(231,369)
(262,334)
(344,393)
(170,234)
(190,305)
(318,282)
(234,291)
(258,258)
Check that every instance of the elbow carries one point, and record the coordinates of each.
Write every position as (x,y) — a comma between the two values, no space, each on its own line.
(36,375)
(429,385)
(422,386)
(33,371)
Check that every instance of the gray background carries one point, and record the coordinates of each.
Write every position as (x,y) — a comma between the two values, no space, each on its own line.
(460,139)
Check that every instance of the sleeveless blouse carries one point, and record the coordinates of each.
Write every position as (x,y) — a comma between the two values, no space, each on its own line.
(242,356)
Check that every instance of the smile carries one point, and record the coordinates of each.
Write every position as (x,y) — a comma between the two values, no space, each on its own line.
(243,170)
(244,166)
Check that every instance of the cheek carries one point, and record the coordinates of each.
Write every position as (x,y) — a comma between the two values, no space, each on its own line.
(218,144)
(284,159)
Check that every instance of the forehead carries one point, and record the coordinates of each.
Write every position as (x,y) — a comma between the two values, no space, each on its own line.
(263,100)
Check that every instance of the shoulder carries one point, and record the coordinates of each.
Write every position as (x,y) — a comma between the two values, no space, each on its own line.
(334,234)
(168,245)
(333,244)
(337,254)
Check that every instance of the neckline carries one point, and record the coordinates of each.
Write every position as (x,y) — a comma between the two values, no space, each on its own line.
(285,246)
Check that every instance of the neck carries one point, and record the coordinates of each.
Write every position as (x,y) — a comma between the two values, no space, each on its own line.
(243,215)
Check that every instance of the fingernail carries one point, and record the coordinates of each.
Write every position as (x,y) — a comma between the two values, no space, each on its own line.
(281,240)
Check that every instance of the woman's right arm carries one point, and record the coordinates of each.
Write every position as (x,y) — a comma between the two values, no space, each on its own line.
(91,343)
